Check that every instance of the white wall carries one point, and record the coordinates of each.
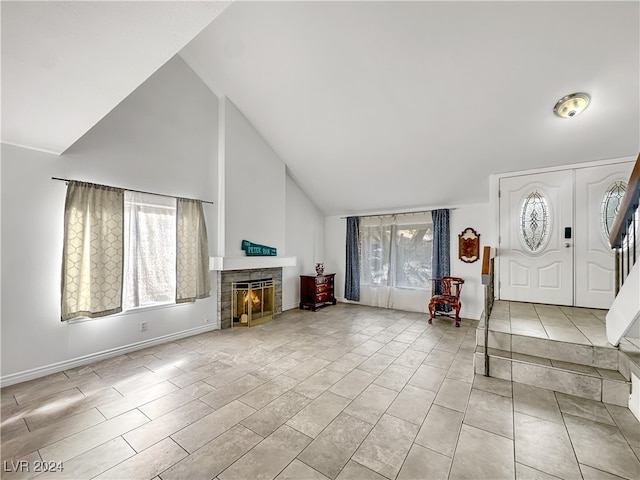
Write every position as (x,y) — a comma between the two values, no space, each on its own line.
(162,138)
(254,187)
(264,205)
(477,216)
(335,252)
(305,240)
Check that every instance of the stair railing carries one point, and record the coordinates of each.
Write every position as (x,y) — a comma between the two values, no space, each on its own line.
(623,234)
(488,261)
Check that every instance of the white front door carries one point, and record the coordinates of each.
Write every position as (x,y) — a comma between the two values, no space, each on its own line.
(550,252)
(536,261)
(598,191)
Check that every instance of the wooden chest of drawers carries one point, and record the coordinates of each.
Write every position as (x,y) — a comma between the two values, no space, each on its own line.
(316,290)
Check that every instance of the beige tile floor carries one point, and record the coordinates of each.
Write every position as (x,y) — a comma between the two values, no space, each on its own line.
(568,324)
(347,392)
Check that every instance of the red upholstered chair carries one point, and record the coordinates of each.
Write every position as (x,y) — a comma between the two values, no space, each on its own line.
(446,291)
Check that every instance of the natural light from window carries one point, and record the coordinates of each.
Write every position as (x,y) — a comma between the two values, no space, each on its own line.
(150,250)
(396,251)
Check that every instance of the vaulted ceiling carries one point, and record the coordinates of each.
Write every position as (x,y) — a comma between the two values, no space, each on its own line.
(65,65)
(373,106)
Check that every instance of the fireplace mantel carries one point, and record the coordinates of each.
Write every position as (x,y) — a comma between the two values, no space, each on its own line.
(248,263)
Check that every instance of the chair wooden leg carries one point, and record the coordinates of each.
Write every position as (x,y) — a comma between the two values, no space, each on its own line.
(431,313)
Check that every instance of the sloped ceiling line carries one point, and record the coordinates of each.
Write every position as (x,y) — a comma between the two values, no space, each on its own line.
(65,65)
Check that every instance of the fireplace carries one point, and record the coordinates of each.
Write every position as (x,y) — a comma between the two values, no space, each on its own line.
(252,302)
(225,280)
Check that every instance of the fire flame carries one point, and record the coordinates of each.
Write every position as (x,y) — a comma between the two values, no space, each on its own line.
(255,300)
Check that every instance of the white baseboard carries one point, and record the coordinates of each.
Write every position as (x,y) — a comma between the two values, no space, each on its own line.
(38,372)
(290,307)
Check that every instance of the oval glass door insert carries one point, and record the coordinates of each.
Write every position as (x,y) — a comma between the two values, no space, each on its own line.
(609,207)
(534,221)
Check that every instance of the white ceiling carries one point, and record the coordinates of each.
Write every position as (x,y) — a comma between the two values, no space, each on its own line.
(373,106)
(65,65)
(395,105)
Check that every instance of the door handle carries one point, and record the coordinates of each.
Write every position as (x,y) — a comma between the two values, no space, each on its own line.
(567,244)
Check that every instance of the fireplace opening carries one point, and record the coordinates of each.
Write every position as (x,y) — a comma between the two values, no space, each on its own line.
(252,302)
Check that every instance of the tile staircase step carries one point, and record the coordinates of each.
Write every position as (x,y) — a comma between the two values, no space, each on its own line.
(598,356)
(629,361)
(581,380)
(588,368)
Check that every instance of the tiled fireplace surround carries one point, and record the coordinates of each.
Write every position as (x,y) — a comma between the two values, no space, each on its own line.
(226,277)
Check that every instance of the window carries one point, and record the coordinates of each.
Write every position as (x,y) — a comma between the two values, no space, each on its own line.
(396,251)
(161,257)
(150,250)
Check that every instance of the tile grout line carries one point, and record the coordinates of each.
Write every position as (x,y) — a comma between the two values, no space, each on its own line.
(564,424)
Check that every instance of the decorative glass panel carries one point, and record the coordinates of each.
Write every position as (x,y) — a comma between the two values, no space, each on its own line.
(609,207)
(534,221)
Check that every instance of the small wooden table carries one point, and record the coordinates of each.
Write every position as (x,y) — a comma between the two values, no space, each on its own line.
(316,291)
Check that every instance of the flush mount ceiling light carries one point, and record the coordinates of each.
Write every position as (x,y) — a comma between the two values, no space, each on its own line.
(571,105)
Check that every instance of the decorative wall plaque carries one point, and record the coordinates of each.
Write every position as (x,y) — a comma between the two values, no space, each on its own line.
(255,250)
(469,245)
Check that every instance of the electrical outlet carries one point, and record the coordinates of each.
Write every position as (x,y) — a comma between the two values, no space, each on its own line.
(143,326)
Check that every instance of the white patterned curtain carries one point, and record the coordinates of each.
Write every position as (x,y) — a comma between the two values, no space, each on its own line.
(92,260)
(395,269)
(192,277)
(150,246)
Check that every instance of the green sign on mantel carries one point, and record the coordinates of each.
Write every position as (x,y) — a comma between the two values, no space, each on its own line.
(255,250)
